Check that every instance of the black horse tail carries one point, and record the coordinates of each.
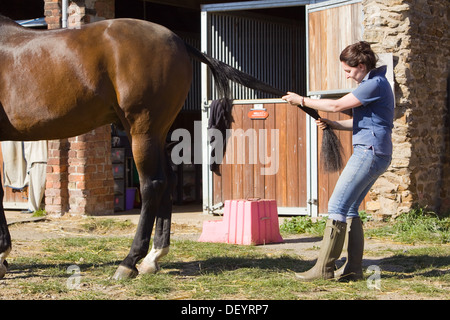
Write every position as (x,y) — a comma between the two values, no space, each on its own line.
(331,149)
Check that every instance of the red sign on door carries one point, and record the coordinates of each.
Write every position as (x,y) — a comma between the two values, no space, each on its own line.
(258,114)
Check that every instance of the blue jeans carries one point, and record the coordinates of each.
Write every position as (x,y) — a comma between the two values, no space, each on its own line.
(362,170)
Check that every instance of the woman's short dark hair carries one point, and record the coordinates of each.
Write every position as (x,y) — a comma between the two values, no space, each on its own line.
(357,53)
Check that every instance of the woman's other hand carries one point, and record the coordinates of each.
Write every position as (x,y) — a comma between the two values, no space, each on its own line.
(323,123)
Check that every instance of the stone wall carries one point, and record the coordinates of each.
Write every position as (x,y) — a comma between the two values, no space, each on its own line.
(416,32)
(87,11)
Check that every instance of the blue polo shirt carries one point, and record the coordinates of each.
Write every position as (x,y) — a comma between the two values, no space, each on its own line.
(373,121)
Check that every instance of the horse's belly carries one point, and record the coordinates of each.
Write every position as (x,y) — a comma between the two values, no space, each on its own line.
(41,123)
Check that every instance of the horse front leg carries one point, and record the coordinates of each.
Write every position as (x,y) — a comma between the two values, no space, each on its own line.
(149,158)
(5,237)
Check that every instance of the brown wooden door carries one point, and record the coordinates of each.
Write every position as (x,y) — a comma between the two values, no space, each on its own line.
(269,160)
(331,26)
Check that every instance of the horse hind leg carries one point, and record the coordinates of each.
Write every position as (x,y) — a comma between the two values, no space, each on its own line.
(150,161)
(161,240)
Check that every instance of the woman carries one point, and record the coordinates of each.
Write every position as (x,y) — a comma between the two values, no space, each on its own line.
(373,112)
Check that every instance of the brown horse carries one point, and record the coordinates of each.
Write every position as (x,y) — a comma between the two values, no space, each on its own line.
(62,83)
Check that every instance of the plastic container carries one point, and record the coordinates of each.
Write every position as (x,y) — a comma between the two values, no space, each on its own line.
(247,222)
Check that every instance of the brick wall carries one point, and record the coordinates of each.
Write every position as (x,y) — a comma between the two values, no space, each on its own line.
(52,11)
(79,169)
(56,188)
(90,177)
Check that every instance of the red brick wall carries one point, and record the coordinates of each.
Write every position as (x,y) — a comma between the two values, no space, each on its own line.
(90,176)
(56,188)
(79,169)
(52,11)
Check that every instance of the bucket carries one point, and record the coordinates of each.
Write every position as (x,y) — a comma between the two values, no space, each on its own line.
(130,195)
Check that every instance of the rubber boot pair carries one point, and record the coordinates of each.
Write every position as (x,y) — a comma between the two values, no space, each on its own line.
(332,244)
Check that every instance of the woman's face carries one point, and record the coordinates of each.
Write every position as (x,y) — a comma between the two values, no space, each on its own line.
(356,73)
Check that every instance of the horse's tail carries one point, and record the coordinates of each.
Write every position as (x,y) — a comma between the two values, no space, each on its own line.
(331,157)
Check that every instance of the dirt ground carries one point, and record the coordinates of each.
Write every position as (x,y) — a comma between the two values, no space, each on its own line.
(186,225)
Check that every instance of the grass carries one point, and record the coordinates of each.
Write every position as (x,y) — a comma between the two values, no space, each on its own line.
(416,226)
(104,225)
(301,224)
(39,213)
(194,270)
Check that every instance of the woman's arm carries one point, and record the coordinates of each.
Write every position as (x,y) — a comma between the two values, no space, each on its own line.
(346,125)
(348,101)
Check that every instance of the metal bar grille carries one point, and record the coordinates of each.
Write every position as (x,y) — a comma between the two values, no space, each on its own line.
(194,100)
(270,50)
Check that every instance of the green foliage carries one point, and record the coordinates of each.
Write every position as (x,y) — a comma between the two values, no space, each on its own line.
(303,224)
(417,225)
(39,213)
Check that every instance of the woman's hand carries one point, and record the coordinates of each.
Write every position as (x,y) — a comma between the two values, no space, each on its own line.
(293,99)
(346,125)
(323,123)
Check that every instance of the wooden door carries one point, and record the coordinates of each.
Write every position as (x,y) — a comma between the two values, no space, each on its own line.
(331,25)
(266,158)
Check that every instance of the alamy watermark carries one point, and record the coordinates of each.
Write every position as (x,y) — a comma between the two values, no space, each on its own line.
(374,280)
(242,147)
(74,281)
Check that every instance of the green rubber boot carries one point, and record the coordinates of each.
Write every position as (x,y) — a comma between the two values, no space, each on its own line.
(330,250)
(352,269)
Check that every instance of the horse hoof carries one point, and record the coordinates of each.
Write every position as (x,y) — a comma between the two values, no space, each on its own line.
(150,262)
(124,273)
(148,268)
(2,270)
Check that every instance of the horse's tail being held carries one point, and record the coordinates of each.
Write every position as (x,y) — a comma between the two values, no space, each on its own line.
(331,157)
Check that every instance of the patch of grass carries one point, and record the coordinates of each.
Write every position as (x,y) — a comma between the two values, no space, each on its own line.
(417,225)
(39,213)
(81,250)
(302,224)
(103,225)
(154,286)
(48,287)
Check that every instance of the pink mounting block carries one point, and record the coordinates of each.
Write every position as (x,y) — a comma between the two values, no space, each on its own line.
(248,222)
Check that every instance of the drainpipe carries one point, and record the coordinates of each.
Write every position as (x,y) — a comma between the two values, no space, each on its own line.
(64,13)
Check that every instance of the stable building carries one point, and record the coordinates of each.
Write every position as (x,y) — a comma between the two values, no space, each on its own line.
(294,46)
